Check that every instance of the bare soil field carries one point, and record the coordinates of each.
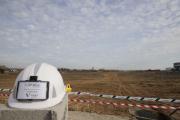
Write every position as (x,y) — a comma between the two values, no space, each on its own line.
(144,83)
(129,83)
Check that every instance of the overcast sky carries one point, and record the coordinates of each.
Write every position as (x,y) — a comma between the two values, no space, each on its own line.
(114,34)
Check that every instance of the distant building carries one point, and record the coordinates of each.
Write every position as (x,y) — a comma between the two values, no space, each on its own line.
(177,66)
(169,69)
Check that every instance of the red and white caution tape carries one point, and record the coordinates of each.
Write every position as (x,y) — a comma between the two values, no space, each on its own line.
(116,104)
(4,94)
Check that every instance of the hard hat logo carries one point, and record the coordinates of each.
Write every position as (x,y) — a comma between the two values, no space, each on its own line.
(41,84)
(68,88)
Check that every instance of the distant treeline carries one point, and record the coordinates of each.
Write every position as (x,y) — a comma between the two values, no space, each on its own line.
(105,70)
(86,70)
(5,69)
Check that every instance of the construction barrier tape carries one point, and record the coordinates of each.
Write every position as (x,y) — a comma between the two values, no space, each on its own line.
(4,95)
(128,97)
(110,96)
(5,90)
(116,104)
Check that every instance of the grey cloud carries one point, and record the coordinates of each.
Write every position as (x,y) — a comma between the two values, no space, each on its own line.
(85,33)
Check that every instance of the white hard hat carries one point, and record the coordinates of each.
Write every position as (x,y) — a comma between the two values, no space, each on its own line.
(37,86)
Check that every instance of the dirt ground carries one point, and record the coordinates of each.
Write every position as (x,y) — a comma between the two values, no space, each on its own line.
(129,83)
(143,83)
